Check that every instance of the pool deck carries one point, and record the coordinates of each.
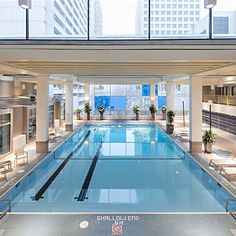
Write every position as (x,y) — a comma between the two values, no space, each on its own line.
(118,224)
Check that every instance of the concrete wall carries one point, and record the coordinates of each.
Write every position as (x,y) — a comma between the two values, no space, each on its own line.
(6,88)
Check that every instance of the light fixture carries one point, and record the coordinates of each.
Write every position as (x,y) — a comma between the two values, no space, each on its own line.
(35,87)
(209,3)
(23,86)
(84,224)
(210,102)
(25,4)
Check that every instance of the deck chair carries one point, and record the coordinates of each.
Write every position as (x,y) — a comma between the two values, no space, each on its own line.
(228,172)
(21,156)
(219,163)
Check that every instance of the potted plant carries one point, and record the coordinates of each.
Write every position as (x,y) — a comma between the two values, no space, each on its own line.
(153,110)
(101,110)
(208,139)
(136,110)
(170,122)
(78,111)
(87,110)
(163,110)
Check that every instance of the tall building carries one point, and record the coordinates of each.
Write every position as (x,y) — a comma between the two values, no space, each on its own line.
(168,17)
(224,23)
(47,17)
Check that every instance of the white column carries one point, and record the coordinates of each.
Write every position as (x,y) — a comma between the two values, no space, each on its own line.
(195,114)
(42,116)
(86,96)
(69,106)
(170,99)
(152,94)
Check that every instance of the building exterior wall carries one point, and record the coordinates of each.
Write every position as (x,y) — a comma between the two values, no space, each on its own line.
(167,18)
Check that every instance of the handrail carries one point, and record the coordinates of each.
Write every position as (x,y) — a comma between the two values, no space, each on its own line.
(2,214)
(227,209)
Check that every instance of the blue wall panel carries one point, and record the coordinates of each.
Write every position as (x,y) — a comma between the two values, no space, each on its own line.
(102,101)
(146,90)
(161,101)
(118,103)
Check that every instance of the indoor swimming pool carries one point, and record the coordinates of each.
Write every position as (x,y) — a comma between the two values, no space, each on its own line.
(118,167)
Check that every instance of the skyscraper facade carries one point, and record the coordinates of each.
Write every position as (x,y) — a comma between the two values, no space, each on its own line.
(168,17)
(51,18)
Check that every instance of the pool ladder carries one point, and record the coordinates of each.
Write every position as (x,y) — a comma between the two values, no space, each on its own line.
(8,209)
(227,207)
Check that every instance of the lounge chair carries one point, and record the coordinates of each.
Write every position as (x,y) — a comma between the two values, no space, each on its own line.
(182,135)
(219,163)
(5,167)
(21,156)
(228,172)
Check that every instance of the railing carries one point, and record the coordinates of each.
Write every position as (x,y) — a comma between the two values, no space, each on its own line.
(129,114)
(8,208)
(228,208)
(220,99)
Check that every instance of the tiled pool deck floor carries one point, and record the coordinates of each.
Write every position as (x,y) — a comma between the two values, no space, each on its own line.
(118,224)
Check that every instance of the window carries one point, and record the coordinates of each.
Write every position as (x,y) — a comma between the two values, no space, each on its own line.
(220,25)
(5,133)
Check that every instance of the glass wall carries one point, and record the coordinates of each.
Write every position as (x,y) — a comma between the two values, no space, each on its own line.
(5,133)
(178,19)
(12,20)
(58,19)
(117,19)
(120,98)
(224,19)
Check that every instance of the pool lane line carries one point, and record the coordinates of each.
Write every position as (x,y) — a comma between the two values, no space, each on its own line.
(44,188)
(84,189)
(126,159)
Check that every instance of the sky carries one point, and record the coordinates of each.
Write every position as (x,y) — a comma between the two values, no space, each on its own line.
(119,16)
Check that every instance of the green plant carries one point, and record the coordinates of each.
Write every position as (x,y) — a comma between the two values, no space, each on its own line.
(101,109)
(208,136)
(170,116)
(152,109)
(163,109)
(136,109)
(87,108)
(78,110)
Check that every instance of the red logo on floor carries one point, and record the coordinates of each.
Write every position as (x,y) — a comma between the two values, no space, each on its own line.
(117,229)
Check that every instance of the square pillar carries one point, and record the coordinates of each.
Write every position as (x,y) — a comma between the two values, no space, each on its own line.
(195,114)
(69,106)
(42,114)
(170,96)
(152,94)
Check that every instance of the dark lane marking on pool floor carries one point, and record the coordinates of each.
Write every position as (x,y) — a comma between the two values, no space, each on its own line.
(84,189)
(44,188)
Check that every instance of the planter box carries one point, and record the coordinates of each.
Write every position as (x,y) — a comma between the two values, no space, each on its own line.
(169,128)
(208,147)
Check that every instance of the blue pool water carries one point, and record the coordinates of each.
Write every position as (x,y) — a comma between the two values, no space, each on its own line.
(118,168)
